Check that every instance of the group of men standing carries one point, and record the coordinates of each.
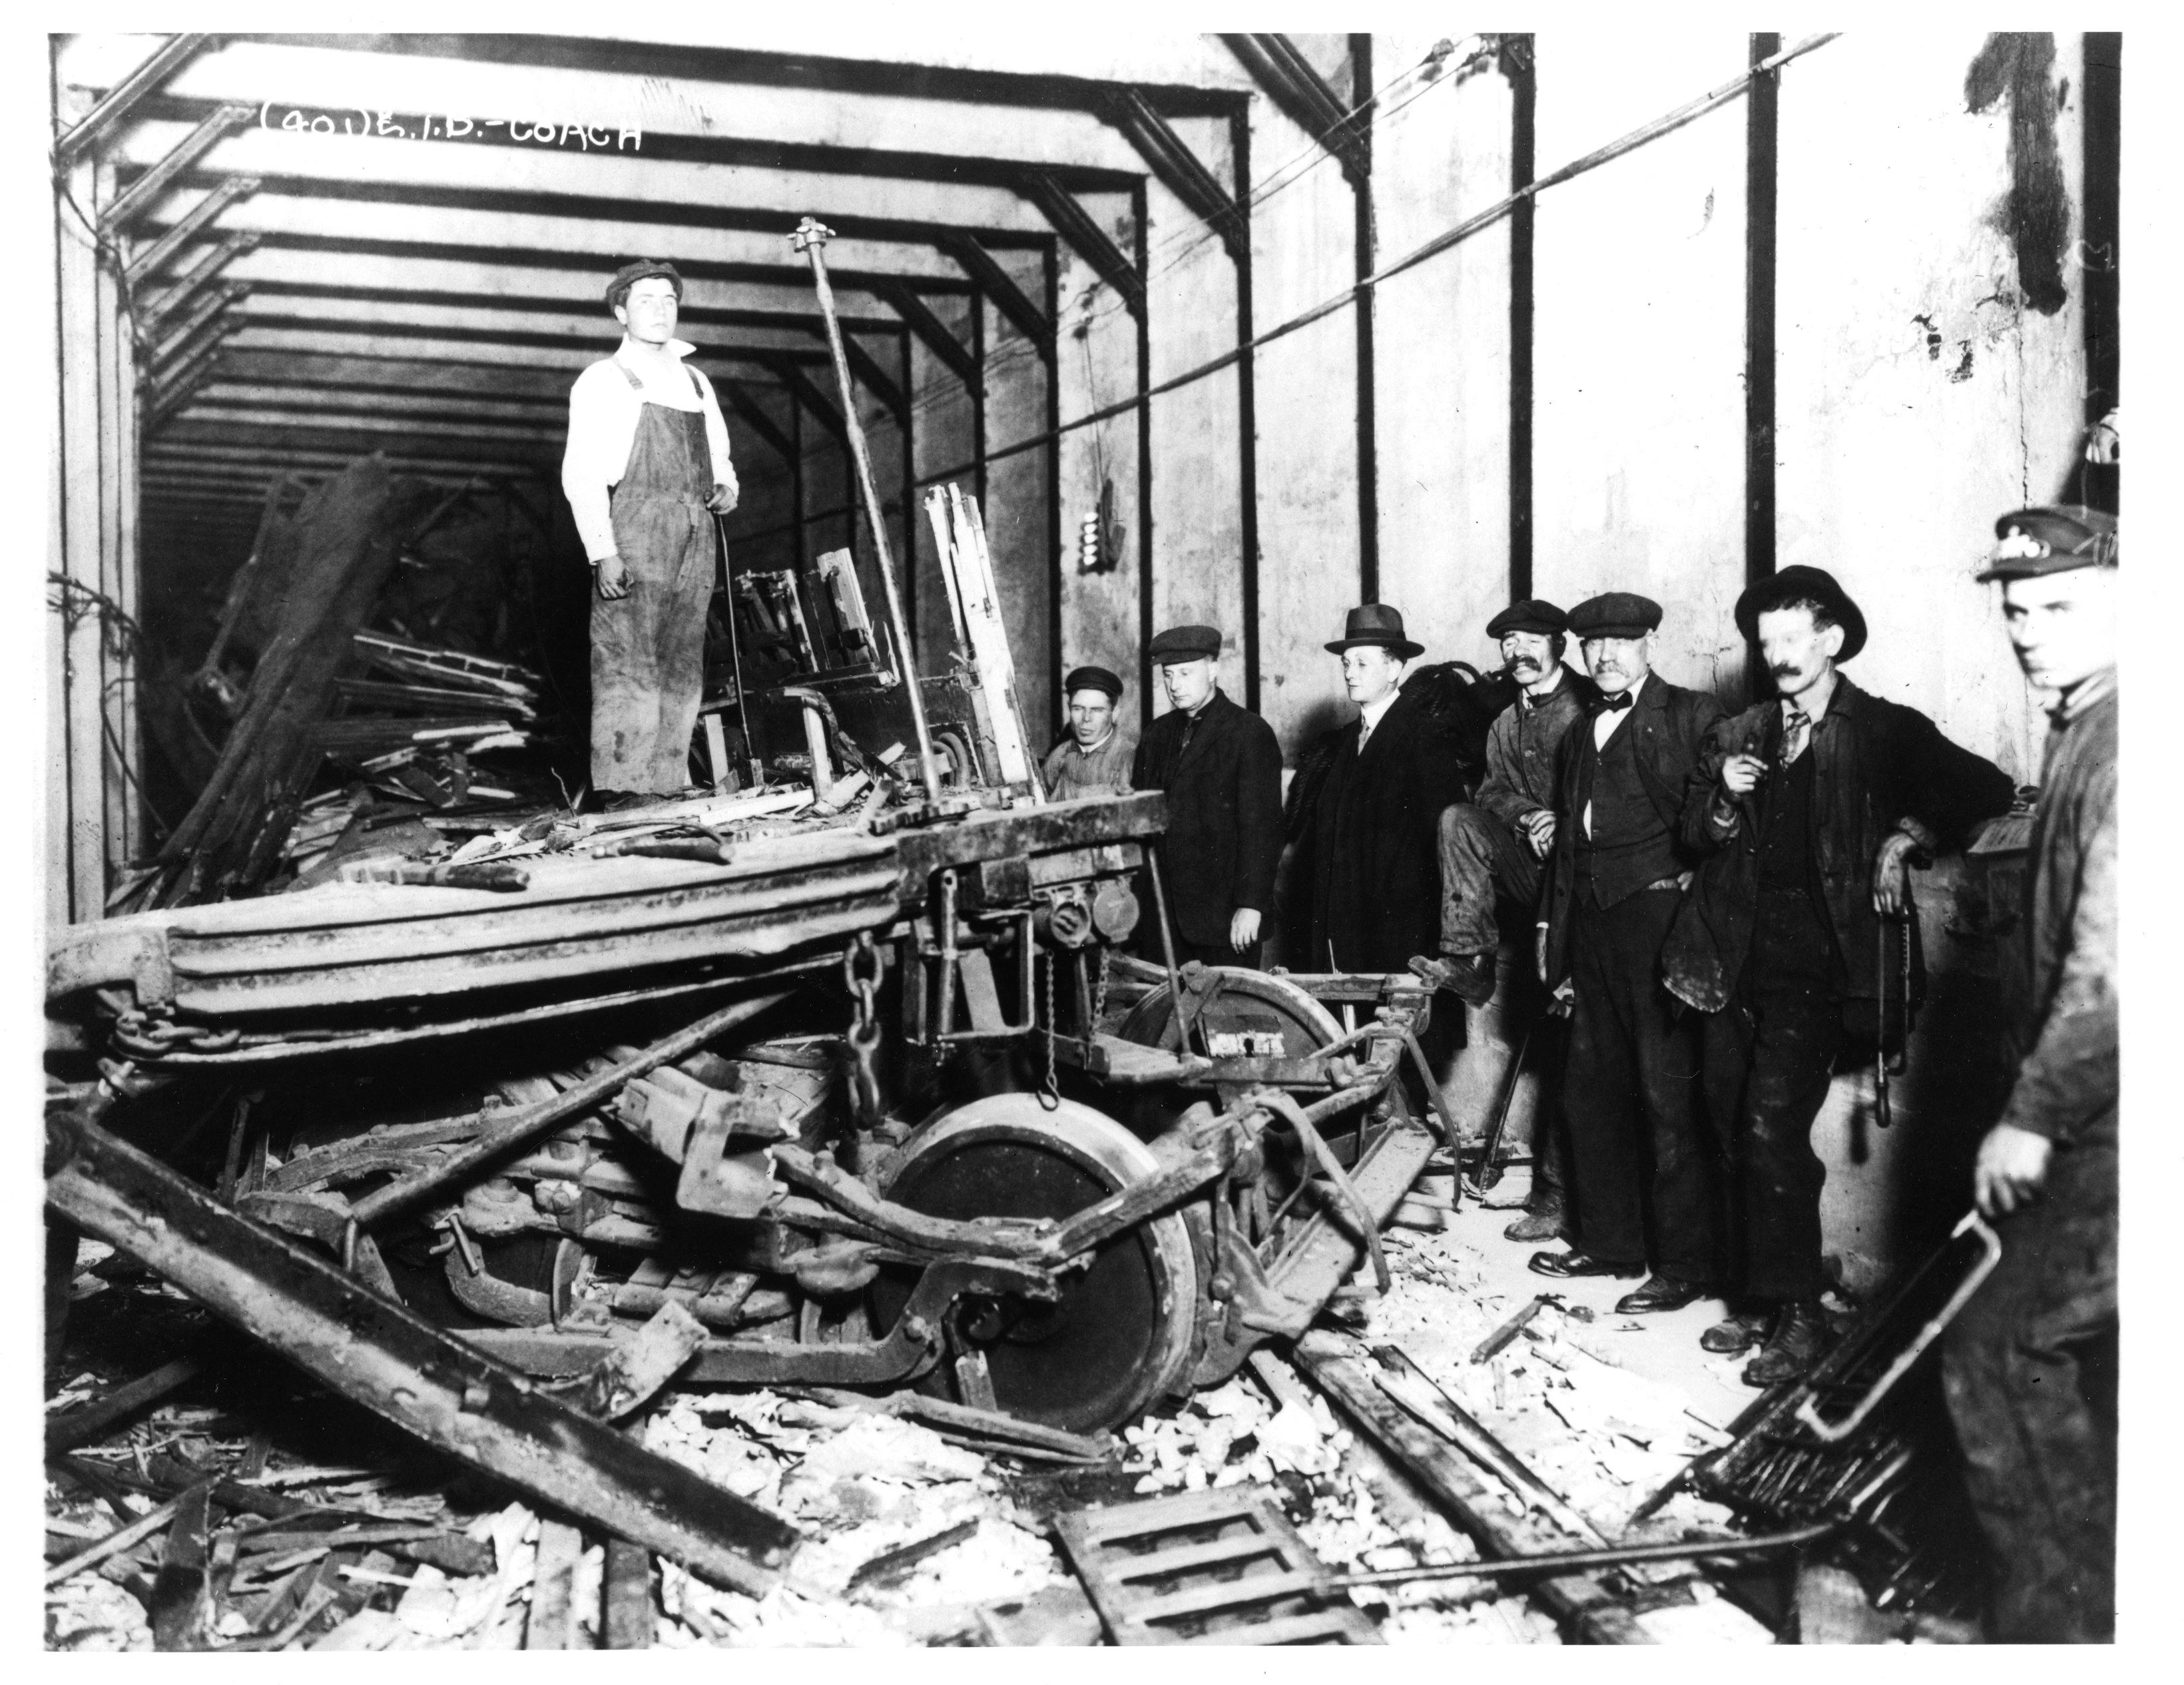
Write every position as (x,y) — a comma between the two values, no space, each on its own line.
(1720,901)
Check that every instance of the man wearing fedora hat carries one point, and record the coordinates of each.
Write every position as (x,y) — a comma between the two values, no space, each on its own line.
(2023,1366)
(1221,771)
(1374,874)
(645,469)
(1809,809)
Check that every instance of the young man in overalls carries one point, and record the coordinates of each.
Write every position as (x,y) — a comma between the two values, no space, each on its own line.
(648,457)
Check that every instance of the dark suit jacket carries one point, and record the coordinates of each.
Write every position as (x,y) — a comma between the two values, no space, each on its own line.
(1224,814)
(1373,835)
(1875,764)
(1671,724)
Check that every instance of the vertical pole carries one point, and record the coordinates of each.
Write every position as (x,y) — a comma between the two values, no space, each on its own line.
(909,495)
(1369,472)
(1522,66)
(2100,485)
(1247,408)
(812,239)
(1762,131)
(796,479)
(1050,680)
(123,760)
(1145,471)
(979,394)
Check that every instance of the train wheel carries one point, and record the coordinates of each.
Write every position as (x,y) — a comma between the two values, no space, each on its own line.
(1119,1336)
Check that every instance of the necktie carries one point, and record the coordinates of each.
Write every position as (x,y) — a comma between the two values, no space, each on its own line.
(1364,732)
(1796,732)
(1617,703)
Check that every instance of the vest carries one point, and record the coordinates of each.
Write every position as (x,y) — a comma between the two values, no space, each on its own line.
(1786,850)
(1630,846)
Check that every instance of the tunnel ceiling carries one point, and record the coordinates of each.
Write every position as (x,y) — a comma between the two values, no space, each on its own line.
(431,290)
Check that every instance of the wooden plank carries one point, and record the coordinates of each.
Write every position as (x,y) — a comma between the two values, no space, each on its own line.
(76,274)
(626,1620)
(552,1623)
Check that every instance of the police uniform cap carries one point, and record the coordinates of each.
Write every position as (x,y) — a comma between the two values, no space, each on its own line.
(1185,643)
(1533,614)
(1092,679)
(2052,539)
(1615,614)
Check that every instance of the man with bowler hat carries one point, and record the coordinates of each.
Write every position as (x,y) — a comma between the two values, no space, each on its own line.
(646,469)
(1641,1164)
(1492,849)
(1375,880)
(2029,1367)
(1094,756)
(1808,808)
(1222,770)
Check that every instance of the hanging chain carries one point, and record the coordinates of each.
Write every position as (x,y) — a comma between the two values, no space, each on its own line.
(1050,1092)
(1099,989)
(862,968)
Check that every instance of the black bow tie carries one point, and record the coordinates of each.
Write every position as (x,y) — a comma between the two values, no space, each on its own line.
(1617,703)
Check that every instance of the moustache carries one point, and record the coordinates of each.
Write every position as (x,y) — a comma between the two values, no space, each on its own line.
(1784,670)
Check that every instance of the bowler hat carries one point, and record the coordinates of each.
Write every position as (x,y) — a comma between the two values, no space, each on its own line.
(1801,583)
(2052,539)
(1092,679)
(1615,614)
(1184,643)
(1375,623)
(1533,614)
(644,269)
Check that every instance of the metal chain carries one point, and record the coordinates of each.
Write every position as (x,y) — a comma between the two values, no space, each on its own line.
(1049,1093)
(863,1035)
(1099,988)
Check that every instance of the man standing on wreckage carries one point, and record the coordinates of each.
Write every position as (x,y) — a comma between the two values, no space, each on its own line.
(1808,808)
(2029,1367)
(645,471)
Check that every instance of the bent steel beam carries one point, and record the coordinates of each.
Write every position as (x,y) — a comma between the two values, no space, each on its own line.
(372,1351)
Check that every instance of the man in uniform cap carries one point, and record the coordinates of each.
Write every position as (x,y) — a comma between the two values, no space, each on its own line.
(1093,756)
(1640,1162)
(645,469)
(1809,809)
(1222,770)
(2022,1364)
(1375,879)
(1491,848)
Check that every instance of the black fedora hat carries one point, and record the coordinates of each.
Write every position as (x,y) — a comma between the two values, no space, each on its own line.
(1801,583)
(1375,623)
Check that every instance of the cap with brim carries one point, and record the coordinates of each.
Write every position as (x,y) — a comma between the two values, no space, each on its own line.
(2052,539)
(644,269)
(1533,614)
(1615,614)
(1798,582)
(1092,679)
(1185,643)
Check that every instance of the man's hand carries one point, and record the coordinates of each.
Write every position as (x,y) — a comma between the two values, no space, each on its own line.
(1891,874)
(1538,829)
(2011,1170)
(723,498)
(611,577)
(1741,774)
(1243,928)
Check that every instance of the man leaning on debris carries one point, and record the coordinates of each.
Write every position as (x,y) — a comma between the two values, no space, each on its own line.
(2030,1365)
(646,468)
(1809,807)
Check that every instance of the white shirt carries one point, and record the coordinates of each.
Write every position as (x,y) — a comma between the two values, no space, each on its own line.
(1369,715)
(603,409)
(1603,728)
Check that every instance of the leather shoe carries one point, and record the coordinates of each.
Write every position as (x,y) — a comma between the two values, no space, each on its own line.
(1469,977)
(1660,1292)
(1550,1224)
(1738,1331)
(1800,1335)
(1576,1262)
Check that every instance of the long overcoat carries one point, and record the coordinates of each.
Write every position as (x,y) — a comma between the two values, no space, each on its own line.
(1224,814)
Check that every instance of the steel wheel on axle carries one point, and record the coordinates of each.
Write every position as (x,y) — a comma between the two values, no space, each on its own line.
(1119,1334)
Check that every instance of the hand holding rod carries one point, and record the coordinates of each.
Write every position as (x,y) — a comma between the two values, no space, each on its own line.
(810,237)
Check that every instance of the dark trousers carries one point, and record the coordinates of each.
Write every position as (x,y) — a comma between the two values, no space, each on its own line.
(1768,1055)
(2039,1442)
(1640,1161)
(1482,861)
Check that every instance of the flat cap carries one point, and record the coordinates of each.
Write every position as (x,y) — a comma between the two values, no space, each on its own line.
(1184,643)
(1615,614)
(1092,679)
(1533,614)
(644,269)
(1801,583)
(2052,540)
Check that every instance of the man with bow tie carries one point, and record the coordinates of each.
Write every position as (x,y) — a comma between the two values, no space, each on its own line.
(1641,1164)
(1810,808)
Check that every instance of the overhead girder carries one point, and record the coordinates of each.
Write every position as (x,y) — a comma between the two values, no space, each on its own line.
(519,322)
(640,187)
(1303,94)
(1180,169)
(739,400)
(373,339)
(1085,237)
(935,334)
(999,285)
(351,442)
(807,395)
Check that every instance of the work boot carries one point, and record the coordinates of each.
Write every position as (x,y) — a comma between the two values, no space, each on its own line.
(1469,977)
(1738,1331)
(1659,1292)
(1800,1336)
(1549,1223)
